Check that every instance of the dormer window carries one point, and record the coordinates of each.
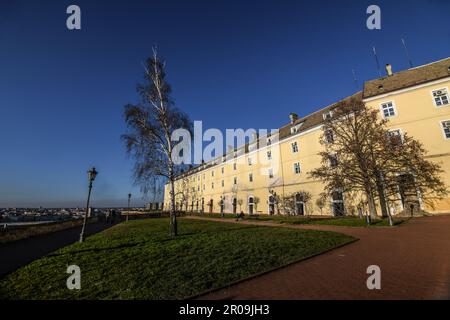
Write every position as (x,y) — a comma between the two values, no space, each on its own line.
(296,128)
(327,115)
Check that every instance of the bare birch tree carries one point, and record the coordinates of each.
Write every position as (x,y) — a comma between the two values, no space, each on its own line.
(150,125)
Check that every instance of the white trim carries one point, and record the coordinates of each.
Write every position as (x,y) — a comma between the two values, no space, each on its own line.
(394,106)
(434,101)
(299,167)
(441,125)
(424,85)
(401,132)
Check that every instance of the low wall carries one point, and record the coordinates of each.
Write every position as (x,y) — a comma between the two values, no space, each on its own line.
(22,232)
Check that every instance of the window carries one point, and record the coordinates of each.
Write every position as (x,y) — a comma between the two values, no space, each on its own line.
(235,180)
(440,97)
(269,141)
(270,173)
(329,137)
(395,137)
(333,161)
(223,170)
(234,166)
(250,177)
(294,147)
(249,161)
(212,185)
(297,169)
(446,128)
(223,183)
(269,155)
(296,128)
(388,109)
(198,178)
(198,188)
(203,187)
(212,173)
(327,115)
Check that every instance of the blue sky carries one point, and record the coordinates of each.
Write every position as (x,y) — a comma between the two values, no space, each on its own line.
(232,64)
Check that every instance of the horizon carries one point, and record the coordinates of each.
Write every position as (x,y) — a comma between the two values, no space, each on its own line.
(219,56)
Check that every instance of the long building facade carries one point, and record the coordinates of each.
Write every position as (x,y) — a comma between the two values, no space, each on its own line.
(251,178)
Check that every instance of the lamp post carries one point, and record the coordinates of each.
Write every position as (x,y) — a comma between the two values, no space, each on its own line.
(91,177)
(129,199)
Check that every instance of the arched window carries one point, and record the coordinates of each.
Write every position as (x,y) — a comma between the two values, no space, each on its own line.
(251,205)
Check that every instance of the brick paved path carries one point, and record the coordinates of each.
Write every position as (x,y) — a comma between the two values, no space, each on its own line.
(414,260)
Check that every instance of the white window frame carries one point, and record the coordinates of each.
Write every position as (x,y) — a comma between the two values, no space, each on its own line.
(394,106)
(325,114)
(270,173)
(294,147)
(434,101)
(297,164)
(326,136)
(235,180)
(400,131)
(441,124)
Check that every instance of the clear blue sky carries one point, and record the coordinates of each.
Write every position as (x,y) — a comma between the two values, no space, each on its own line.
(232,64)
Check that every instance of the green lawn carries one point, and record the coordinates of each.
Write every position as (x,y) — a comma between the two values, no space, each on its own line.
(138,260)
(343,221)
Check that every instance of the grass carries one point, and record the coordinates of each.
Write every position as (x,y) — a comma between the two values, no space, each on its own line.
(341,221)
(138,260)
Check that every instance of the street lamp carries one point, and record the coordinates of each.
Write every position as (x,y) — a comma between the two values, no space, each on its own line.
(129,199)
(91,177)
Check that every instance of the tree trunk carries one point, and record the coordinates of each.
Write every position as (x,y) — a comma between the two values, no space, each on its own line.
(381,195)
(173,216)
(371,203)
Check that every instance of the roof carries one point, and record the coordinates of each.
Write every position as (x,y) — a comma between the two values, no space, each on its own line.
(400,80)
(310,121)
(408,78)
(314,119)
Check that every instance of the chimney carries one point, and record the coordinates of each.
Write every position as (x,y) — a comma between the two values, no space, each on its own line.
(389,70)
(293,117)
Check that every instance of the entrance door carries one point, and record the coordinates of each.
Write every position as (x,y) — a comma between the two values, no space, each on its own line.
(234,205)
(271,205)
(299,205)
(250,205)
(211,205)
(338,204)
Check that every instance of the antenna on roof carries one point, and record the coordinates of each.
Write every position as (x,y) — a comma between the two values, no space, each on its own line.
(376,60)
(407,53)
(355,79)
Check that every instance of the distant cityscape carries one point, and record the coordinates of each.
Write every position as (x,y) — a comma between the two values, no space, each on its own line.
(39,215)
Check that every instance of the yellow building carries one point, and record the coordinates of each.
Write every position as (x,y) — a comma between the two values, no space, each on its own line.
(415,101)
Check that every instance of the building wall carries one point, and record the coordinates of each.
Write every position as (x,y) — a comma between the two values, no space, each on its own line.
(416,114)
